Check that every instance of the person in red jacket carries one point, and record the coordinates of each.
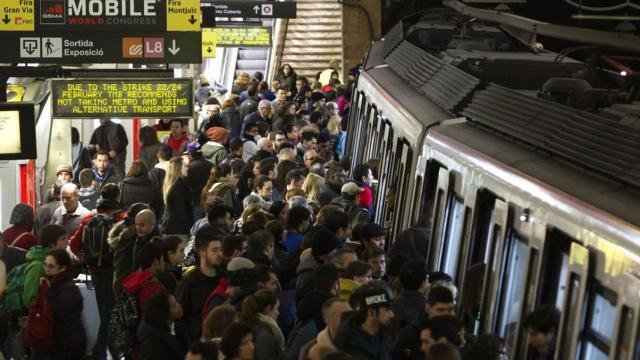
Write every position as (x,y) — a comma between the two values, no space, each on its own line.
(21,235)
(363,177)
(144,283)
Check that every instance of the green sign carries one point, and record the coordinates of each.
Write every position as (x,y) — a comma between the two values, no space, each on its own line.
(123,98)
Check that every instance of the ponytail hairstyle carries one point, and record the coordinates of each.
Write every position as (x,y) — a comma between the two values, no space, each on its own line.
(256,304)
(174,172)
(217,172)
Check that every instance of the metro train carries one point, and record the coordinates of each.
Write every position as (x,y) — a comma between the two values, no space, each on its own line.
(523,162)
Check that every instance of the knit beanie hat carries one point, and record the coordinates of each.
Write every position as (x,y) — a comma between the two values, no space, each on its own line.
(217,134)
(323,242)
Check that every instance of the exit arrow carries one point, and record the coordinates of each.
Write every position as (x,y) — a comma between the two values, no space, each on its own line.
(256,9)
(6,19)
(192,19)
(173,49)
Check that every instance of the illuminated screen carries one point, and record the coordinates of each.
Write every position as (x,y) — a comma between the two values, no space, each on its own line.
(10,132)
(17,131)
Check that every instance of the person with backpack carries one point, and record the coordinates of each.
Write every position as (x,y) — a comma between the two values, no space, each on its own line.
(59,322)
(24,284)
(9,255)
(90,244)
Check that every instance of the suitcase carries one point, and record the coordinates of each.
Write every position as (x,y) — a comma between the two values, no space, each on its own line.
(90,314)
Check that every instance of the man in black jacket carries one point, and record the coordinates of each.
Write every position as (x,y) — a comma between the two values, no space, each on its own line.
(365,333)
(197,284)
(11,256)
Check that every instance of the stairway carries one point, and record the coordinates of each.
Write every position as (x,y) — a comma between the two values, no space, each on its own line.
(313,38)
(251,60)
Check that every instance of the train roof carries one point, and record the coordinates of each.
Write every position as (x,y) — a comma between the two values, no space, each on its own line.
(601,192)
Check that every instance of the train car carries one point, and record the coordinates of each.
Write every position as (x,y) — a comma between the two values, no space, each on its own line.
(522,163)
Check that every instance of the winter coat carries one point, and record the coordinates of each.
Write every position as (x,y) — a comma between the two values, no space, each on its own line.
(232,121)
(66,301)
(140,189)
(226,191)
(161,344)
(192,293)
(110,176)
(267,345)
(214,152)
(178,211)
(35,271)
(126,244)
(352,339)
(26,239)
(247,107)
(304,283)
(408,308)
(142,284)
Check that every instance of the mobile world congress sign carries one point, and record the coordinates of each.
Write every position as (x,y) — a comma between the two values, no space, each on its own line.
(123,98)
(100,15)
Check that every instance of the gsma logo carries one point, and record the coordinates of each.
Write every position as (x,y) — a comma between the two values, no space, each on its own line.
(132,47)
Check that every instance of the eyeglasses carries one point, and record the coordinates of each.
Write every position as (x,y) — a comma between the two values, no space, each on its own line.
(311,158)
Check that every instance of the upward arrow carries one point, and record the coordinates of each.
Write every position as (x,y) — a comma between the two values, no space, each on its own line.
(6,19)
(256,9)
(192,19)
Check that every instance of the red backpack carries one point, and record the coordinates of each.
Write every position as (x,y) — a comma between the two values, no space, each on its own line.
(38,331)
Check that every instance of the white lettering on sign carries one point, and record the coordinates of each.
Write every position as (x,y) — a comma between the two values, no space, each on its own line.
(112,8)
(376,299)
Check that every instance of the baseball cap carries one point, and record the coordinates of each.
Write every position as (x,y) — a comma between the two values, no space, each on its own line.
(351,189)
(191,148)
(375,297)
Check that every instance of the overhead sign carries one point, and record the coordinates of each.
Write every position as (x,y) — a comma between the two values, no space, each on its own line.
(100,15)
(18,131)
(247,9)
(17,15)
(108,47)
(239,36)
(208,44)
(183,15)
(140,98)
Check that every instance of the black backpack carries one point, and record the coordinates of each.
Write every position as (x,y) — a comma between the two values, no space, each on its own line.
(124,321)
(95,249)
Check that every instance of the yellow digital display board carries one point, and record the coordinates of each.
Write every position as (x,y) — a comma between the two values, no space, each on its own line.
(141,98)
(208,44)
(239,36)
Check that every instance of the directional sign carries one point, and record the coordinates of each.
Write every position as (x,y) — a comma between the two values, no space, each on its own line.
(239,36)
(99,15)
(109,47)
(208,44)
(247,9)
(183,15)
(17,15)
(145,98)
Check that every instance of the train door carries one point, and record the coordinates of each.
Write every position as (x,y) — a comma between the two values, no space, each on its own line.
(386,174)
(627,326)
(572,316)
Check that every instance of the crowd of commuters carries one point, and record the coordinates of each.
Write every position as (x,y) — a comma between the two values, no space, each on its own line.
(245,240)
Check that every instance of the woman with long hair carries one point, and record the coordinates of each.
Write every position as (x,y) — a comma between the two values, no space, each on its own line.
(237,343)
(287,77)
(178,211)
(223,182)
(149,146)
(260,311)
(137,187)
(160,335)
(312,188)
(66,302)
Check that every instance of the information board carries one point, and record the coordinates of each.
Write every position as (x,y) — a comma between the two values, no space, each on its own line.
(178,47)
(17,131)
(239,36)
(124,98)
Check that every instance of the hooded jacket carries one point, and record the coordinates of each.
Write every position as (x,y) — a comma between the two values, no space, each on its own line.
(140,189)
(35,271)
(142,284)
(304,282)
(347,286)
(214,152)
(178,211)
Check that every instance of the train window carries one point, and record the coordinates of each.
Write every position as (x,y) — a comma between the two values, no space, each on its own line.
(599,323)
(555,268)
(453,237)
(625,333)
(428,191)
(572,310)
